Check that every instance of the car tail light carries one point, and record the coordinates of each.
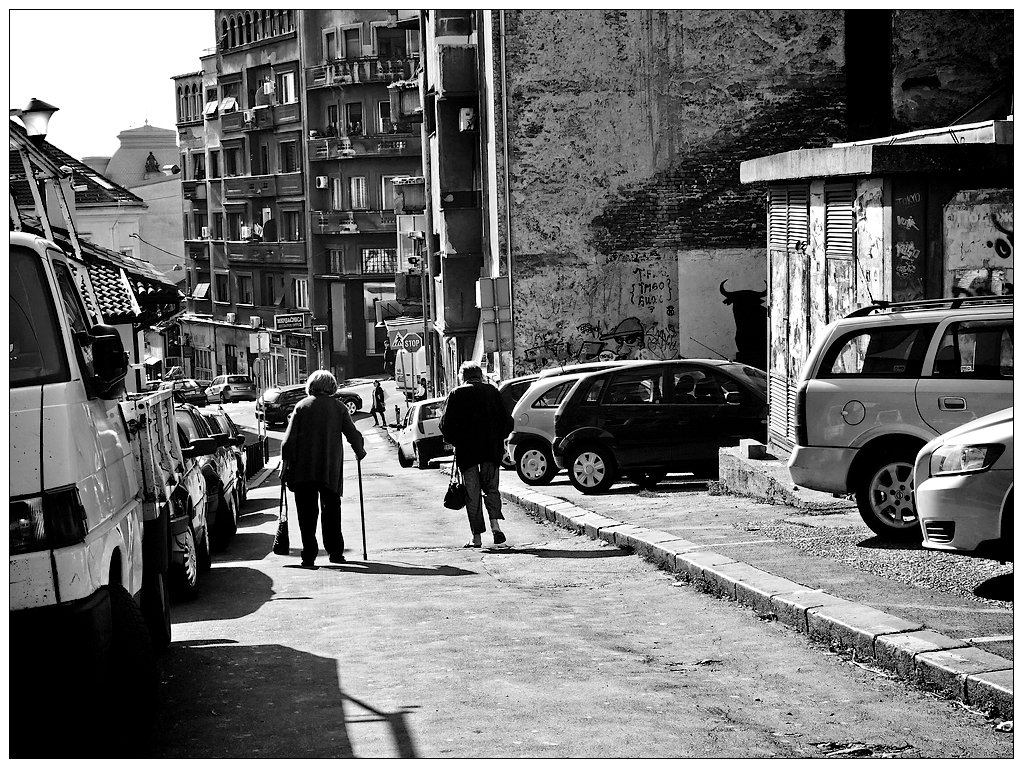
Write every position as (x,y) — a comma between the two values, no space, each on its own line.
(50,521)
(801,427)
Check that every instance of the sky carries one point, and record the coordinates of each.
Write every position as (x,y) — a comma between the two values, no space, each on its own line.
(110,69)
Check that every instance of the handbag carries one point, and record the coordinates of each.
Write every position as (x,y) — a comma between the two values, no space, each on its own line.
(282,543)
(454,497)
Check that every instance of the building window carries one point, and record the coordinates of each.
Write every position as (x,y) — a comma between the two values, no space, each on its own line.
(244,285)
(201,223)
(222,288)
(373,293)
(335,261)
(230,358)
(233,161)
(199,167)
(353,43)
(387,193)
(214,164)
(301,293)
(292,221)
(357,189)
(353,118)
(379,260)
(329,44)
(337,201)
(218,226)
(333,119)
(271,296)
(384,124)
(286,93)
(234,226)
(202,364)
(391,43)
(289,156)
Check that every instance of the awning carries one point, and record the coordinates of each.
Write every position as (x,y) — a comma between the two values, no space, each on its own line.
(201,291)
(228,104)
(211,108)
(151,360)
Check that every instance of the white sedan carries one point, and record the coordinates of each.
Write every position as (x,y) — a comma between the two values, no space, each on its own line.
(964,486)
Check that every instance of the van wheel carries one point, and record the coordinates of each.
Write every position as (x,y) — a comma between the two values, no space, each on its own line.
(886,500)
(534,464)
(402,459)
(156,609)
(185,577)
(591,469)
(131,680)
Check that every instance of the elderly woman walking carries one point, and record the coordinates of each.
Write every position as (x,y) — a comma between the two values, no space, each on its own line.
(313,455)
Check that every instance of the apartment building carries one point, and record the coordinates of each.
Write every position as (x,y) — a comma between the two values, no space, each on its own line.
(291,163)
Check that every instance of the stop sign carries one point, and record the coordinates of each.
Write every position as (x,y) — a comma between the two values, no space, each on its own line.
(412,342)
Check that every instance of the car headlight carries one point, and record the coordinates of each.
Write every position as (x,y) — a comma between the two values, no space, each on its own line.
(964,459)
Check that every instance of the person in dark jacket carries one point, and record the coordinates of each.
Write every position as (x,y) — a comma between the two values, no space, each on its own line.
(378,405)
(313,455)
(476,421)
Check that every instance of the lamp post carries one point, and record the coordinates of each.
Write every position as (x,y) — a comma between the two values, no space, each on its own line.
(36,118)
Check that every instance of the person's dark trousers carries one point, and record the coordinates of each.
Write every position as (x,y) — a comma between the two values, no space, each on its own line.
(310,498)
(481,487)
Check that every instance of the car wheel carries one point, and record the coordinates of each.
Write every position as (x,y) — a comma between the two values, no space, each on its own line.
(534,464)
(508,457)
(131,681)
(647,478)
(350,405)
(226,522)
(185,577)
(886,499)
(591,469)
(243,487)
(422,459)
(403,460)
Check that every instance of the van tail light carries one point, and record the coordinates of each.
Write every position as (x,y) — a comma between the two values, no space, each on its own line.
(801,427)
(50,521)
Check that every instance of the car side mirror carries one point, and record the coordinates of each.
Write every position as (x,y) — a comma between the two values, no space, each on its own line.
(109,361)
(222,439)
(201,446)
(239,440)
(733,398)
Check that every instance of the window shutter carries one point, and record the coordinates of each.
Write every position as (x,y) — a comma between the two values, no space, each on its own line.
(839,222)
(788,217)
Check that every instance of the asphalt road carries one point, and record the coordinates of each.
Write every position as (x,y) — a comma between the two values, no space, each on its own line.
(561,647)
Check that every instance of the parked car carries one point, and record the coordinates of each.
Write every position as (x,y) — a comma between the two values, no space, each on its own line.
(419,438)
(186,391)
(222,424)
(231,387)
(190,524)
(647,419)
(964,486)
(885,380)
(276,403)
(218,468)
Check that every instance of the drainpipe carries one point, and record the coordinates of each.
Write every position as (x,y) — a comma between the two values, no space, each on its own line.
(507,194)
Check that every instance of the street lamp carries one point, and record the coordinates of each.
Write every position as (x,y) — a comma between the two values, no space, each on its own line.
(36,117)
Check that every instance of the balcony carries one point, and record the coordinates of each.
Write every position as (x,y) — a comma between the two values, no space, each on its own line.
(244,252)
(198,250)
(232,122)
(193,190)
(347,147)
(242,187)
(353,222)
(367,70)
(290,184)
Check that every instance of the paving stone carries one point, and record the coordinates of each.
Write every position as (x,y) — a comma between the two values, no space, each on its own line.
(854,626)
(946,671)
(592,523)
(726,576)
(693,564)
(991,692)
(897,653)
(758,590)
(620,535)
(791,607)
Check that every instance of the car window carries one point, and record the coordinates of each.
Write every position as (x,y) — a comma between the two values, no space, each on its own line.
(594,390)
(553,395)
(408,419)
(699,386)
(215,425)
(430,411)
(187,426)
(878,352)
(634,388)
(976,349)
(237,379)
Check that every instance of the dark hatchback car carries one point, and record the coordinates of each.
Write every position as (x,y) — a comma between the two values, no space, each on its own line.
(650,419)
(276,404)
(186,391)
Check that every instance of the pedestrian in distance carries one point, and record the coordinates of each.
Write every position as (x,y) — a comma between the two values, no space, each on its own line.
(313,454)
(421,390)
(378,405)
(476,421)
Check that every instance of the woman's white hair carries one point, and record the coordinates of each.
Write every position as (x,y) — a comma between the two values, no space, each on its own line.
(321,383)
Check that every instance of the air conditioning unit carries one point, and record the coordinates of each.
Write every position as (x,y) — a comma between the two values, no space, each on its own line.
(466,119)
(322,182)
(205,233)
(256,322)
(249,115)
(231,317)
(245,233)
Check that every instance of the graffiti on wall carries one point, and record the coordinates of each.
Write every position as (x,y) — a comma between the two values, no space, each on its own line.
(750,316)
(979,244)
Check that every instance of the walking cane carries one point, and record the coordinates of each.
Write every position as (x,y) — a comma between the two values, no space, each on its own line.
(362,509)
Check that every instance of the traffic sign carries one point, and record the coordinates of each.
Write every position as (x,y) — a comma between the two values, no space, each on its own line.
(412,342)
(320,328)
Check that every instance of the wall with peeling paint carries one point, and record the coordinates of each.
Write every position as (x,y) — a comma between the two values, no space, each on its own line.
(625,133)
(979,252)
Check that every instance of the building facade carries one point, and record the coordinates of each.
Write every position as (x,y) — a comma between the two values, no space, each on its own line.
(290,159)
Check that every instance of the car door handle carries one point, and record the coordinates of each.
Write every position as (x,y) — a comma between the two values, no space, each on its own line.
(952,403)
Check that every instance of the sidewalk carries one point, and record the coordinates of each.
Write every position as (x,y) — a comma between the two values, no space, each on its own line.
(786,585)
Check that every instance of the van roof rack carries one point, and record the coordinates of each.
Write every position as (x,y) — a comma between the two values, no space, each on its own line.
(922,304)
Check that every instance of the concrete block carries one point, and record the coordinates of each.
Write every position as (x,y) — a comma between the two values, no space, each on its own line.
(753,449)
(592,523)
(897,653)
(620,535)
(946,671)
(565,517)
(645,542)
(854,626)
(726,576)
(757,590)
(791,607)
(694,563)
(991,692)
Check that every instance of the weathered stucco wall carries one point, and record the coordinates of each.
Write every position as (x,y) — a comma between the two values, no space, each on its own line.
(978,228)
(626,130)
(945,61)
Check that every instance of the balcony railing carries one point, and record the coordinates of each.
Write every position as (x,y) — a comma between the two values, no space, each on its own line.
(366,70)
(244,252)
(193,190)
(260,118)
(347,147)
(236,187)
(353,222)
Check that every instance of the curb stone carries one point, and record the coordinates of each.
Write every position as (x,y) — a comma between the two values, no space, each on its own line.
(908,649)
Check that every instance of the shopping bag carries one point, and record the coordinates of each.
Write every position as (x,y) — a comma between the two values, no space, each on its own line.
(454,497)
(282,544)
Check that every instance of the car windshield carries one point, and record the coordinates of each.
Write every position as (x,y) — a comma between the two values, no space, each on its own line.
(752,377)
(431,411)
(271,395)
(238,380)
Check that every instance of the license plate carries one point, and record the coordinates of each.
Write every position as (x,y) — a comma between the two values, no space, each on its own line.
(448,447)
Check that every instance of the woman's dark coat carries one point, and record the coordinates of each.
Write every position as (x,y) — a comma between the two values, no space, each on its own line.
(313,449)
